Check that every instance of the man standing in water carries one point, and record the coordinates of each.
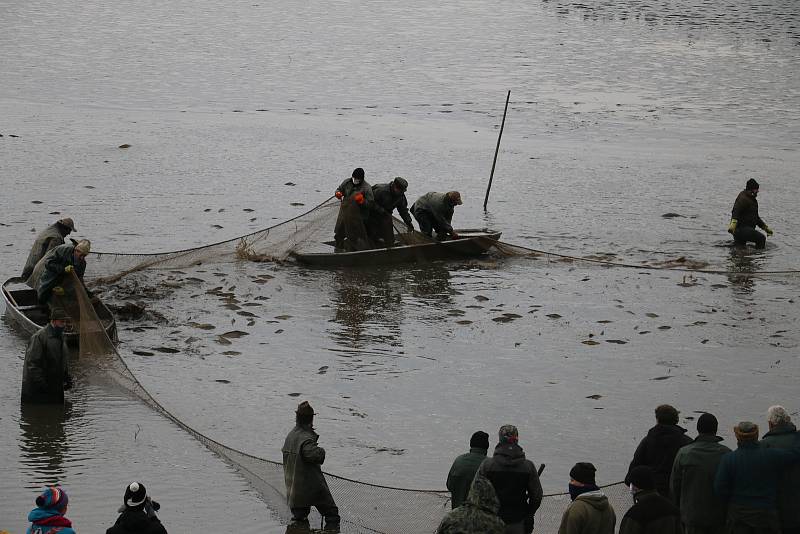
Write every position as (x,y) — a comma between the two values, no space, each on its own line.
(745,219)
(305,483)
(45,375)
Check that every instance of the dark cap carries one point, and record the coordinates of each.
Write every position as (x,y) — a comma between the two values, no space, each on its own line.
(304,408)
(641,476)
(400,183)
(583,472)
(480,440)
(751,185)
(358,172)
(58,314)
(707,424)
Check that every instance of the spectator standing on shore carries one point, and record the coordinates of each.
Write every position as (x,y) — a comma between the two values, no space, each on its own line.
(692,481)
(137,513)
(48,516)
(515,480)
(747,479)
(651,513)
(658,449)
(305,483)
(476,515)
(782,433)
(462,472)
(590,511)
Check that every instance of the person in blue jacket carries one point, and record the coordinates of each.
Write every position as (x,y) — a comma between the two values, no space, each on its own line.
(48,516)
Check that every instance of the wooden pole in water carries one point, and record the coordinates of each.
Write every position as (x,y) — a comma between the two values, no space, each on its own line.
(496,150)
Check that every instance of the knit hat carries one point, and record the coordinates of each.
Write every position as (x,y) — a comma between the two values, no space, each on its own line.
(135,494)
(66,221)
(707,424)
(358,172)
(746,431)
(641,476)
(479,439)
(304,408)
(751,184)
(583,472)
(455,197)
(52,497)
(83,246)
(58,314)
(508,434)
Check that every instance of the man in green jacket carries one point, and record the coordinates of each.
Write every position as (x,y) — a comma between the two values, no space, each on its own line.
(463,470)
(692,480)
(747,479)
(590,511)
(305,483)
(782,434)
(745,219)
(478,514)
(45,373)
(434,211)
(48,239)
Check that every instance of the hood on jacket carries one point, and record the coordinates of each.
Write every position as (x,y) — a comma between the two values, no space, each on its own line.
(597,499)
(509,454)
(37,514)
(482,495)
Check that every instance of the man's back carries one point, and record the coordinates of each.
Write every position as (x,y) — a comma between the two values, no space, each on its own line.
(749,475)
(652,514)
(692,481)
(461,474)
(589,513)
(658,449)
(515,480)
(783,437)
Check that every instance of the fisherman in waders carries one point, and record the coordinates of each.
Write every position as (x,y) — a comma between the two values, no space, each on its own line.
(45,373)
(388,197)
(305,483)
(48,239)
(434,211)
(745,219)
(357,201)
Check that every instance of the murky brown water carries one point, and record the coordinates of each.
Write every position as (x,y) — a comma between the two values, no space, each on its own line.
(621,112)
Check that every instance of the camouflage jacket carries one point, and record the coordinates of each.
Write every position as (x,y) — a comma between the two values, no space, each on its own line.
(48,239)
(476,516)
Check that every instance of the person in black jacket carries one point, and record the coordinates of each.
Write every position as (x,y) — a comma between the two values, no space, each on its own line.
(658,449)
(745,218)
(651,513)
(515,480)
(138,513)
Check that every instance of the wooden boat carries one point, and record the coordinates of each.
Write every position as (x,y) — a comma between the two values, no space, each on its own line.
(470,243)
(24,311)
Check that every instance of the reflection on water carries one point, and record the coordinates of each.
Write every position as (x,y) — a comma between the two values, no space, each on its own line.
(44,443)
(741,262)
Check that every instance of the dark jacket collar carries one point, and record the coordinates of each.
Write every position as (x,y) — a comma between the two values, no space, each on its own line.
(787,428)
(478,450)
(709,438)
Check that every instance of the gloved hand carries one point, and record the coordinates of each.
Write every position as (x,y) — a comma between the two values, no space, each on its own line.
(732,226)
(68,383)
(339,195)
(68,269)
(58,290)
(768,230)
(359,198)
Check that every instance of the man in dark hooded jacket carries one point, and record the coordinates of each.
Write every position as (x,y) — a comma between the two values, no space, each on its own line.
(658,449)
(48,239)
(389,197)
(782,435)
(651,513)
(138,513)
(45,373)
(692,480)
(305,483)
(478,514)
(434,211)
(745,219)
(515,480)
(463,470)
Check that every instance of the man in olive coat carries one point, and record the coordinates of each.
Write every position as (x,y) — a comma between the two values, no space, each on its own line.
(305,483)
(48,239)
(389,197)
(590,511)
(434,211)
(745,219)
(782,434)
(463,470)
(658,449)
(692,481)
(478,514)
(45,373)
